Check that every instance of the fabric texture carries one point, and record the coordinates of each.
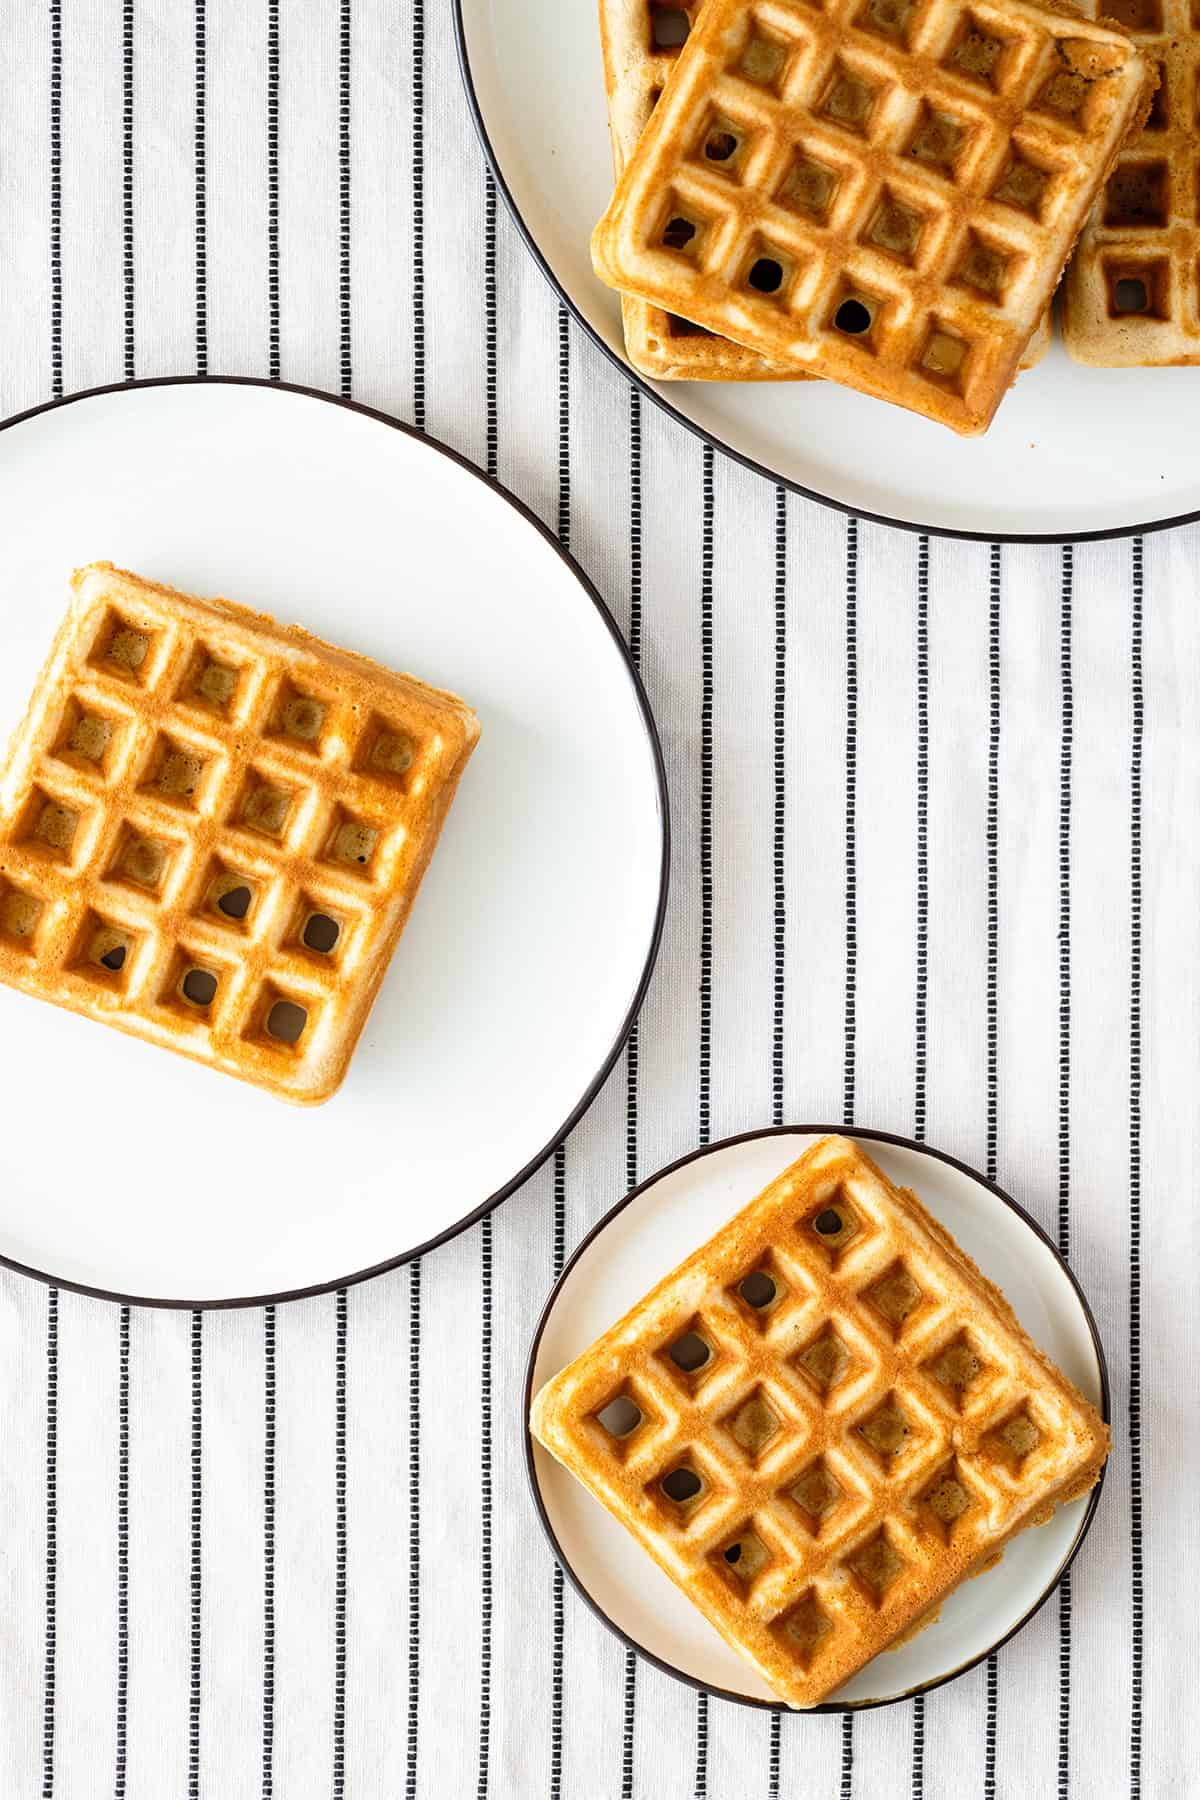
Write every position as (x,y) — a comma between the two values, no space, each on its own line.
(936,815)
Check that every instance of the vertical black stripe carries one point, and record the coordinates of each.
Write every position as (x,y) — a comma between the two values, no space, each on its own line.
(706,919)
(558,1634)
(414,1526)
(274,365)
(993,870)
(122,1553)
(485,1522)
(851,844)
(344,196)
(563,525)
(851,989)
(921,984)
(196,1565)
(418,212)
(200,148)
(56,357)
(629,1719)
(268,1695)
(706,796)
(993,1033)
(557,1671)
(921,981)
(127,69)
(49,1664)
(340,1551)
(491,329)
(778,870)
(485,1230)
(778,866)
(1135,1173)
(635,529)
(1064,903)
(701,1788)
(1064,1093)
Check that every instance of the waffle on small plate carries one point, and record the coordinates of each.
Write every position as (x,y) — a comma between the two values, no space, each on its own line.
(212,828)
(822,1422)
(1131,297)
(906,182)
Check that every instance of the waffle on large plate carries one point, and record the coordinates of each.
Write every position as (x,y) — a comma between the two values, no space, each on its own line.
(907,182)
(641,41)
(212,828)
(822,1422)
(1132,293)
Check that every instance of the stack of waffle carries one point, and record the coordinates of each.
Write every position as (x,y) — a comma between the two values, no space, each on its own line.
(885,192)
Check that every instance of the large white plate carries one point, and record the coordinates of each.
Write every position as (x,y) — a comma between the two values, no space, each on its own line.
(652,1231)
(128,1170)
(1073,452)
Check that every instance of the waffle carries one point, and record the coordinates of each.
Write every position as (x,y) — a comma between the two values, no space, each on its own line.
(212,828)
(822,1422)
(1132,293)
(642,40)
(906,183)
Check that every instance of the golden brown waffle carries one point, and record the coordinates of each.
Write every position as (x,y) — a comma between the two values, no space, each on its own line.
(1132,292)
(212,828)
(642,39)
(822,1422)
(907,181)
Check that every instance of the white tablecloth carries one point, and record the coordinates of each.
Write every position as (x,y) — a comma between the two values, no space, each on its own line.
(937,819)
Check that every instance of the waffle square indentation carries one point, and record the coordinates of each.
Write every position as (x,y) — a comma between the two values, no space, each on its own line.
(176,772)
(89,739)
(103,951)
(803,1630)
(229,896)
(124,648)
(810,186)
(298,717)
(139,859)
(887,1431)
(876,1565)
(386,752)
(939,140)
(211,682)
(20,916)
(265,805)
(849,99)
(47,826)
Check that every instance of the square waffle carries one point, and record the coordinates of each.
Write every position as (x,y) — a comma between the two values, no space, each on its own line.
(910,178)
(212,828)
(822,1422)
(1132,293)
(642,40)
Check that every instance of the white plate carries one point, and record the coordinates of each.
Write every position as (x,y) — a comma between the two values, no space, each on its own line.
(139,1173)
(654,1229)
(1073,452)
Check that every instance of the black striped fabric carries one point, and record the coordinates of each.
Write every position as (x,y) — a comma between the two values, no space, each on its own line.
(936,827)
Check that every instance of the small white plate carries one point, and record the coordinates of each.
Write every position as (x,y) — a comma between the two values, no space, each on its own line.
(1073,452)
(662,1222)
(133,1172)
